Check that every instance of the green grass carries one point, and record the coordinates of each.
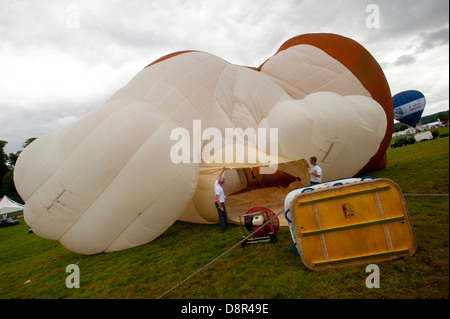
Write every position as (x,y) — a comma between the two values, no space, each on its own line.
(420,167)
(32,267)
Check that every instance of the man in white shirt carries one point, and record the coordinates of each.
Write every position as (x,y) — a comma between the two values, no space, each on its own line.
(220,201)
(315,171)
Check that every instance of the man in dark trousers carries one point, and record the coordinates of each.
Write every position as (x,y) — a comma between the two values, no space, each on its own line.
(315,171)
(220,201)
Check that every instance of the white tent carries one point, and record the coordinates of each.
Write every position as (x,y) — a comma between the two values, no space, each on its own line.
(8,206)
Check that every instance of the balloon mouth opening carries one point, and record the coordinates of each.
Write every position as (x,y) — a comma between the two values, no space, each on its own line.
(263,190)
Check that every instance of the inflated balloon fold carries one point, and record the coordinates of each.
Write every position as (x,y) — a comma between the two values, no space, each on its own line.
(109,182)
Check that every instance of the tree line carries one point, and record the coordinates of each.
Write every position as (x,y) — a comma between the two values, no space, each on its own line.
(7,163)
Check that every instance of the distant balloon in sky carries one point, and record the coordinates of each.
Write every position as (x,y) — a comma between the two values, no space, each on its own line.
(118,177)
(408,107)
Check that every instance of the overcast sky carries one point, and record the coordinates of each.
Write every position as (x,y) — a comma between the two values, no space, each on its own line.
(61,59)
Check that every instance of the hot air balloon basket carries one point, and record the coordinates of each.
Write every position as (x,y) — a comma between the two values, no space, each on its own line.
(356,223)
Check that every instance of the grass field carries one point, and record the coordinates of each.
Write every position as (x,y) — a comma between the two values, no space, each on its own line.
(32,267)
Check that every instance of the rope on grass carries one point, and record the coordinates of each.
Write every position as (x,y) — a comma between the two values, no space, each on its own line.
(429,195)
(220,256)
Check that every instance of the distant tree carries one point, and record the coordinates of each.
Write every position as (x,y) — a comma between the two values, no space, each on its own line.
(28,142)
(7,163)
(443,116)
(9,189)
(4,168)
(401,128)
(12,157)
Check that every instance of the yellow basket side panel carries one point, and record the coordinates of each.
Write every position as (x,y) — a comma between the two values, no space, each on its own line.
(351,224)
(401,236)
(353,243)
(347,211)
(312,249)
(305,219)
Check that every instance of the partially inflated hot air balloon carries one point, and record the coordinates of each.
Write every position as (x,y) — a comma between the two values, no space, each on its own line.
(121,175)
(408,107)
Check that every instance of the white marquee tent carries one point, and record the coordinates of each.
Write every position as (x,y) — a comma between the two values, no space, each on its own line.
(8,206)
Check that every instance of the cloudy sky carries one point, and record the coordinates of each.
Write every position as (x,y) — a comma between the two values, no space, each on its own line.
(61,59)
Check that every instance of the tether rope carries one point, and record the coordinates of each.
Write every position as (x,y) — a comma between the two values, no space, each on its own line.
(220,256)
(425,195)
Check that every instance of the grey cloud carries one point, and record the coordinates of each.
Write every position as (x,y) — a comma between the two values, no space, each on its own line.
(412,16)
(405,60)
(430,40)
(426,41)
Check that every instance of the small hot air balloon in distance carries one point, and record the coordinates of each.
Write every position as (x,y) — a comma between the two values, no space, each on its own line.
(408,107)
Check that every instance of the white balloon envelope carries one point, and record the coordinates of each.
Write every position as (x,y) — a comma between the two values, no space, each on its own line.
(117,177)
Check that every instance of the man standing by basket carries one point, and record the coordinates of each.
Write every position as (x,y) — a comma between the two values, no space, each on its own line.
(315,171)
(220,201)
